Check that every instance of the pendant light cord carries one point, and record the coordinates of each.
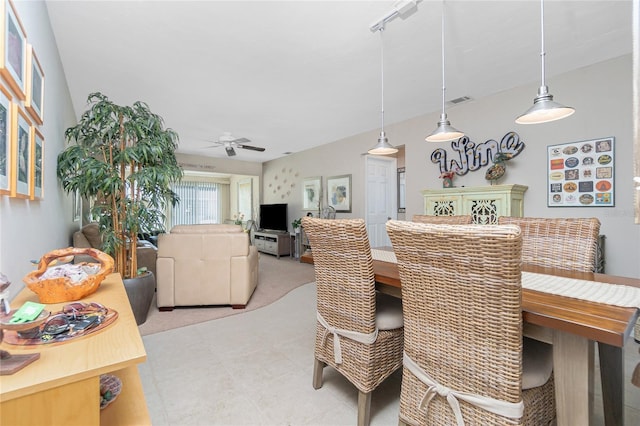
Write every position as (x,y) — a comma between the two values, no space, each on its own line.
(442,41)
(542,52)
(381,80)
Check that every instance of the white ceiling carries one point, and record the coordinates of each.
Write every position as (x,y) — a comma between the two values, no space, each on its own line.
(291,75)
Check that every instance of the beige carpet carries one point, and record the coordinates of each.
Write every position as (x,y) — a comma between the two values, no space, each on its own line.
(276,278)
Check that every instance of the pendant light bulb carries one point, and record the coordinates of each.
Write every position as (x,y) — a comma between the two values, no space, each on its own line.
(544,108)
(383,147)
(445,131)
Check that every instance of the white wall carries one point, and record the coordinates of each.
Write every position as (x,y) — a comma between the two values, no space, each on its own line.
(29,229)
(602,97)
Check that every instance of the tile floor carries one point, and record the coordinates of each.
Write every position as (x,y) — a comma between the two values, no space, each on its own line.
(256,369)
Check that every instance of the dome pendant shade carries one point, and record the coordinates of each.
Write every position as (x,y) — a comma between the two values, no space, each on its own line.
(544,109)
(383,147)
(444,132)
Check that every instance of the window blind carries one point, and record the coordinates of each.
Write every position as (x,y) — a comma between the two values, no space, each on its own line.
(200,202)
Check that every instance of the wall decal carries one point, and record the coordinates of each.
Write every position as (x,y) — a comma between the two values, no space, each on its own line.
(472,156)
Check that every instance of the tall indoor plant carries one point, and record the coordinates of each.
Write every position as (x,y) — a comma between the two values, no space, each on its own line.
(123,158)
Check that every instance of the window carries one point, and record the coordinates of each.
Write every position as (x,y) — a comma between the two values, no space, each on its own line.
(200,202)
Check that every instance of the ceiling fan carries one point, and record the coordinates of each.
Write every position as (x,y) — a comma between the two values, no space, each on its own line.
(230,142)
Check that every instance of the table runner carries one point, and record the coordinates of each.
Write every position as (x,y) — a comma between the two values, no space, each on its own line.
(610,294)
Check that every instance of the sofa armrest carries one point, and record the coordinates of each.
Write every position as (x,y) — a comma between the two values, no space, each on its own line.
(244,276)
(165,282)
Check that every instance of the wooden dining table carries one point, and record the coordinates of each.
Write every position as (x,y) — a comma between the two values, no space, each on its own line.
(571,325)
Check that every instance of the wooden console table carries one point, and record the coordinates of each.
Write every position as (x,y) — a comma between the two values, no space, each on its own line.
(63,386)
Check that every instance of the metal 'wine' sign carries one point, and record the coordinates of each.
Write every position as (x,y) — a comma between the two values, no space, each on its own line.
(472,156)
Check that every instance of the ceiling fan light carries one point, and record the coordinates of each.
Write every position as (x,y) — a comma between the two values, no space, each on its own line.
(544,109)
(383,147)
(444,132)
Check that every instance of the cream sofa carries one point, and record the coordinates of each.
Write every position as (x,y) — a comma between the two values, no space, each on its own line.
(205,265)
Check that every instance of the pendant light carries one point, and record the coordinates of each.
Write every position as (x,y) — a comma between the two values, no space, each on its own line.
(444,132)
(544,108)
(383,147)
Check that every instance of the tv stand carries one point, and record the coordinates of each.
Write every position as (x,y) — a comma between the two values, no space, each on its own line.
(273,242)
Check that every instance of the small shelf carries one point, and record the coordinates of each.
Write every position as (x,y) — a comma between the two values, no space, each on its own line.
(130,407)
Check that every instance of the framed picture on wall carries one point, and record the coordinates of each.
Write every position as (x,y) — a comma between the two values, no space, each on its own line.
(5,141)
(38,163)
(13,58)
(34,86)
(23,154)
(311,193)
(339,193)
(581,174)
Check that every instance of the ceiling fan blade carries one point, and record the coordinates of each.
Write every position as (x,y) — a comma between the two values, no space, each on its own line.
(230,151)
(252,148)
(240,140)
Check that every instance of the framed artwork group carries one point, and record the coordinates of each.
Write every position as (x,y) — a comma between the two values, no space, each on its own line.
(581,174)
(21,110)
(338,190)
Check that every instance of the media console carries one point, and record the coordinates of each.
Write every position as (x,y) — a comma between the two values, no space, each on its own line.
(273,242)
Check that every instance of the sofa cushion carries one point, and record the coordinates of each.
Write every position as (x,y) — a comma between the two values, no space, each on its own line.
(206,229)
(92,233)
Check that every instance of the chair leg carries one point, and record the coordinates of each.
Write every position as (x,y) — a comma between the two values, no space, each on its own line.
(318,366)
(364,408)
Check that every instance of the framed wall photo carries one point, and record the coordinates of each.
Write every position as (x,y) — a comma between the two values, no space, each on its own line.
(34,92)
(23,154)
(311,193)
(581,174)
(13,59)
(339,193)
(5,141)
(37,144)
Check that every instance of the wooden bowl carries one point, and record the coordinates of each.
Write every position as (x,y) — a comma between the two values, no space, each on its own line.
(62,289)
(5,323)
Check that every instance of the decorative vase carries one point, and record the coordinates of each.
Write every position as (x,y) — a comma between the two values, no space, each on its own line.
(447,182)
(140,291)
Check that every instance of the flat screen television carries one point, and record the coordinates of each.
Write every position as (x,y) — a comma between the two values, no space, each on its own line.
(273,217)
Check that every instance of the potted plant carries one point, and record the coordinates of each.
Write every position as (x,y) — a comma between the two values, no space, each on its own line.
(124,159)
(296,225)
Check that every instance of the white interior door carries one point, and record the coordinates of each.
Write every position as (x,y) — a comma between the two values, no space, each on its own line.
(381,198)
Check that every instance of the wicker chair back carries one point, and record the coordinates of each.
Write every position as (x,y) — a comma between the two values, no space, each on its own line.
(565,243)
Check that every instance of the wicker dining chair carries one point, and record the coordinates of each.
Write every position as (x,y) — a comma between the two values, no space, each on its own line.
(565,243)
(451,220)
(461,296)
(358,332)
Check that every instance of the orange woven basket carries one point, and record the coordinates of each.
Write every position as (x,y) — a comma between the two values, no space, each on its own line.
(62,289)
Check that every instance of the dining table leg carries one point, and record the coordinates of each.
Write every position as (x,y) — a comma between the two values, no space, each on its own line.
(573,373)
(611,375)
